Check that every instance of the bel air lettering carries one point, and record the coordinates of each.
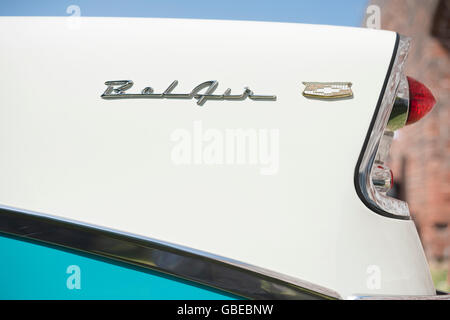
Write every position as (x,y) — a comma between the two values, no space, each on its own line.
(116,90)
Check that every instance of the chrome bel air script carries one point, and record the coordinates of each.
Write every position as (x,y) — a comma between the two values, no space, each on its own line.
(116,90)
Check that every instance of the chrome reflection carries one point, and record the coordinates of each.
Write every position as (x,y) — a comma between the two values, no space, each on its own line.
(368,193)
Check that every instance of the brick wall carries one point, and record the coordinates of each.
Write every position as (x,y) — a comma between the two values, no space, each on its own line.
(420,155)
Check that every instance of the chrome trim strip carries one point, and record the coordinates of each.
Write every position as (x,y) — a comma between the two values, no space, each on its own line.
(224,274)
(369,195)
(436,297)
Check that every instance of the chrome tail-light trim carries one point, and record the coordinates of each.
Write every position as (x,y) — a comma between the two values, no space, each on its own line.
(377,201)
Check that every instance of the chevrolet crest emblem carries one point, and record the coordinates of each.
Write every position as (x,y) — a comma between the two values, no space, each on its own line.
(328,90)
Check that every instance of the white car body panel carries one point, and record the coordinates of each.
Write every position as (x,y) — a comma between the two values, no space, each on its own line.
(69,153)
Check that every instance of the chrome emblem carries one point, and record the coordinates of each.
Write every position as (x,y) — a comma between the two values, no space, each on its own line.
(328,90)
(116,90)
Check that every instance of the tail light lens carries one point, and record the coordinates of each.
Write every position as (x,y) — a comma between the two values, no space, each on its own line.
(412,102)
(421,101)
(405,101)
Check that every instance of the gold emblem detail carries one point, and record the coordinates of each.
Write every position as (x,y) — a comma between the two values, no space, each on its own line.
(328,90)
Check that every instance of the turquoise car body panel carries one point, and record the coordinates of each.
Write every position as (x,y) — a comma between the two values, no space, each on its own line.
(31,270)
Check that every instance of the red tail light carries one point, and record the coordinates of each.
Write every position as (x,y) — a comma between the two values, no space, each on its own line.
(421,100)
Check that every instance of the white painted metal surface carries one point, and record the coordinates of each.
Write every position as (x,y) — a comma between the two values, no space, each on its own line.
(67,152)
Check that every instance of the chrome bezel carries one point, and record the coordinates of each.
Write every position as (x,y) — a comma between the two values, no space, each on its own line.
(400,110)
(375,200)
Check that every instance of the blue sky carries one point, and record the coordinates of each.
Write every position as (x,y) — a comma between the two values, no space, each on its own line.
(334,12)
